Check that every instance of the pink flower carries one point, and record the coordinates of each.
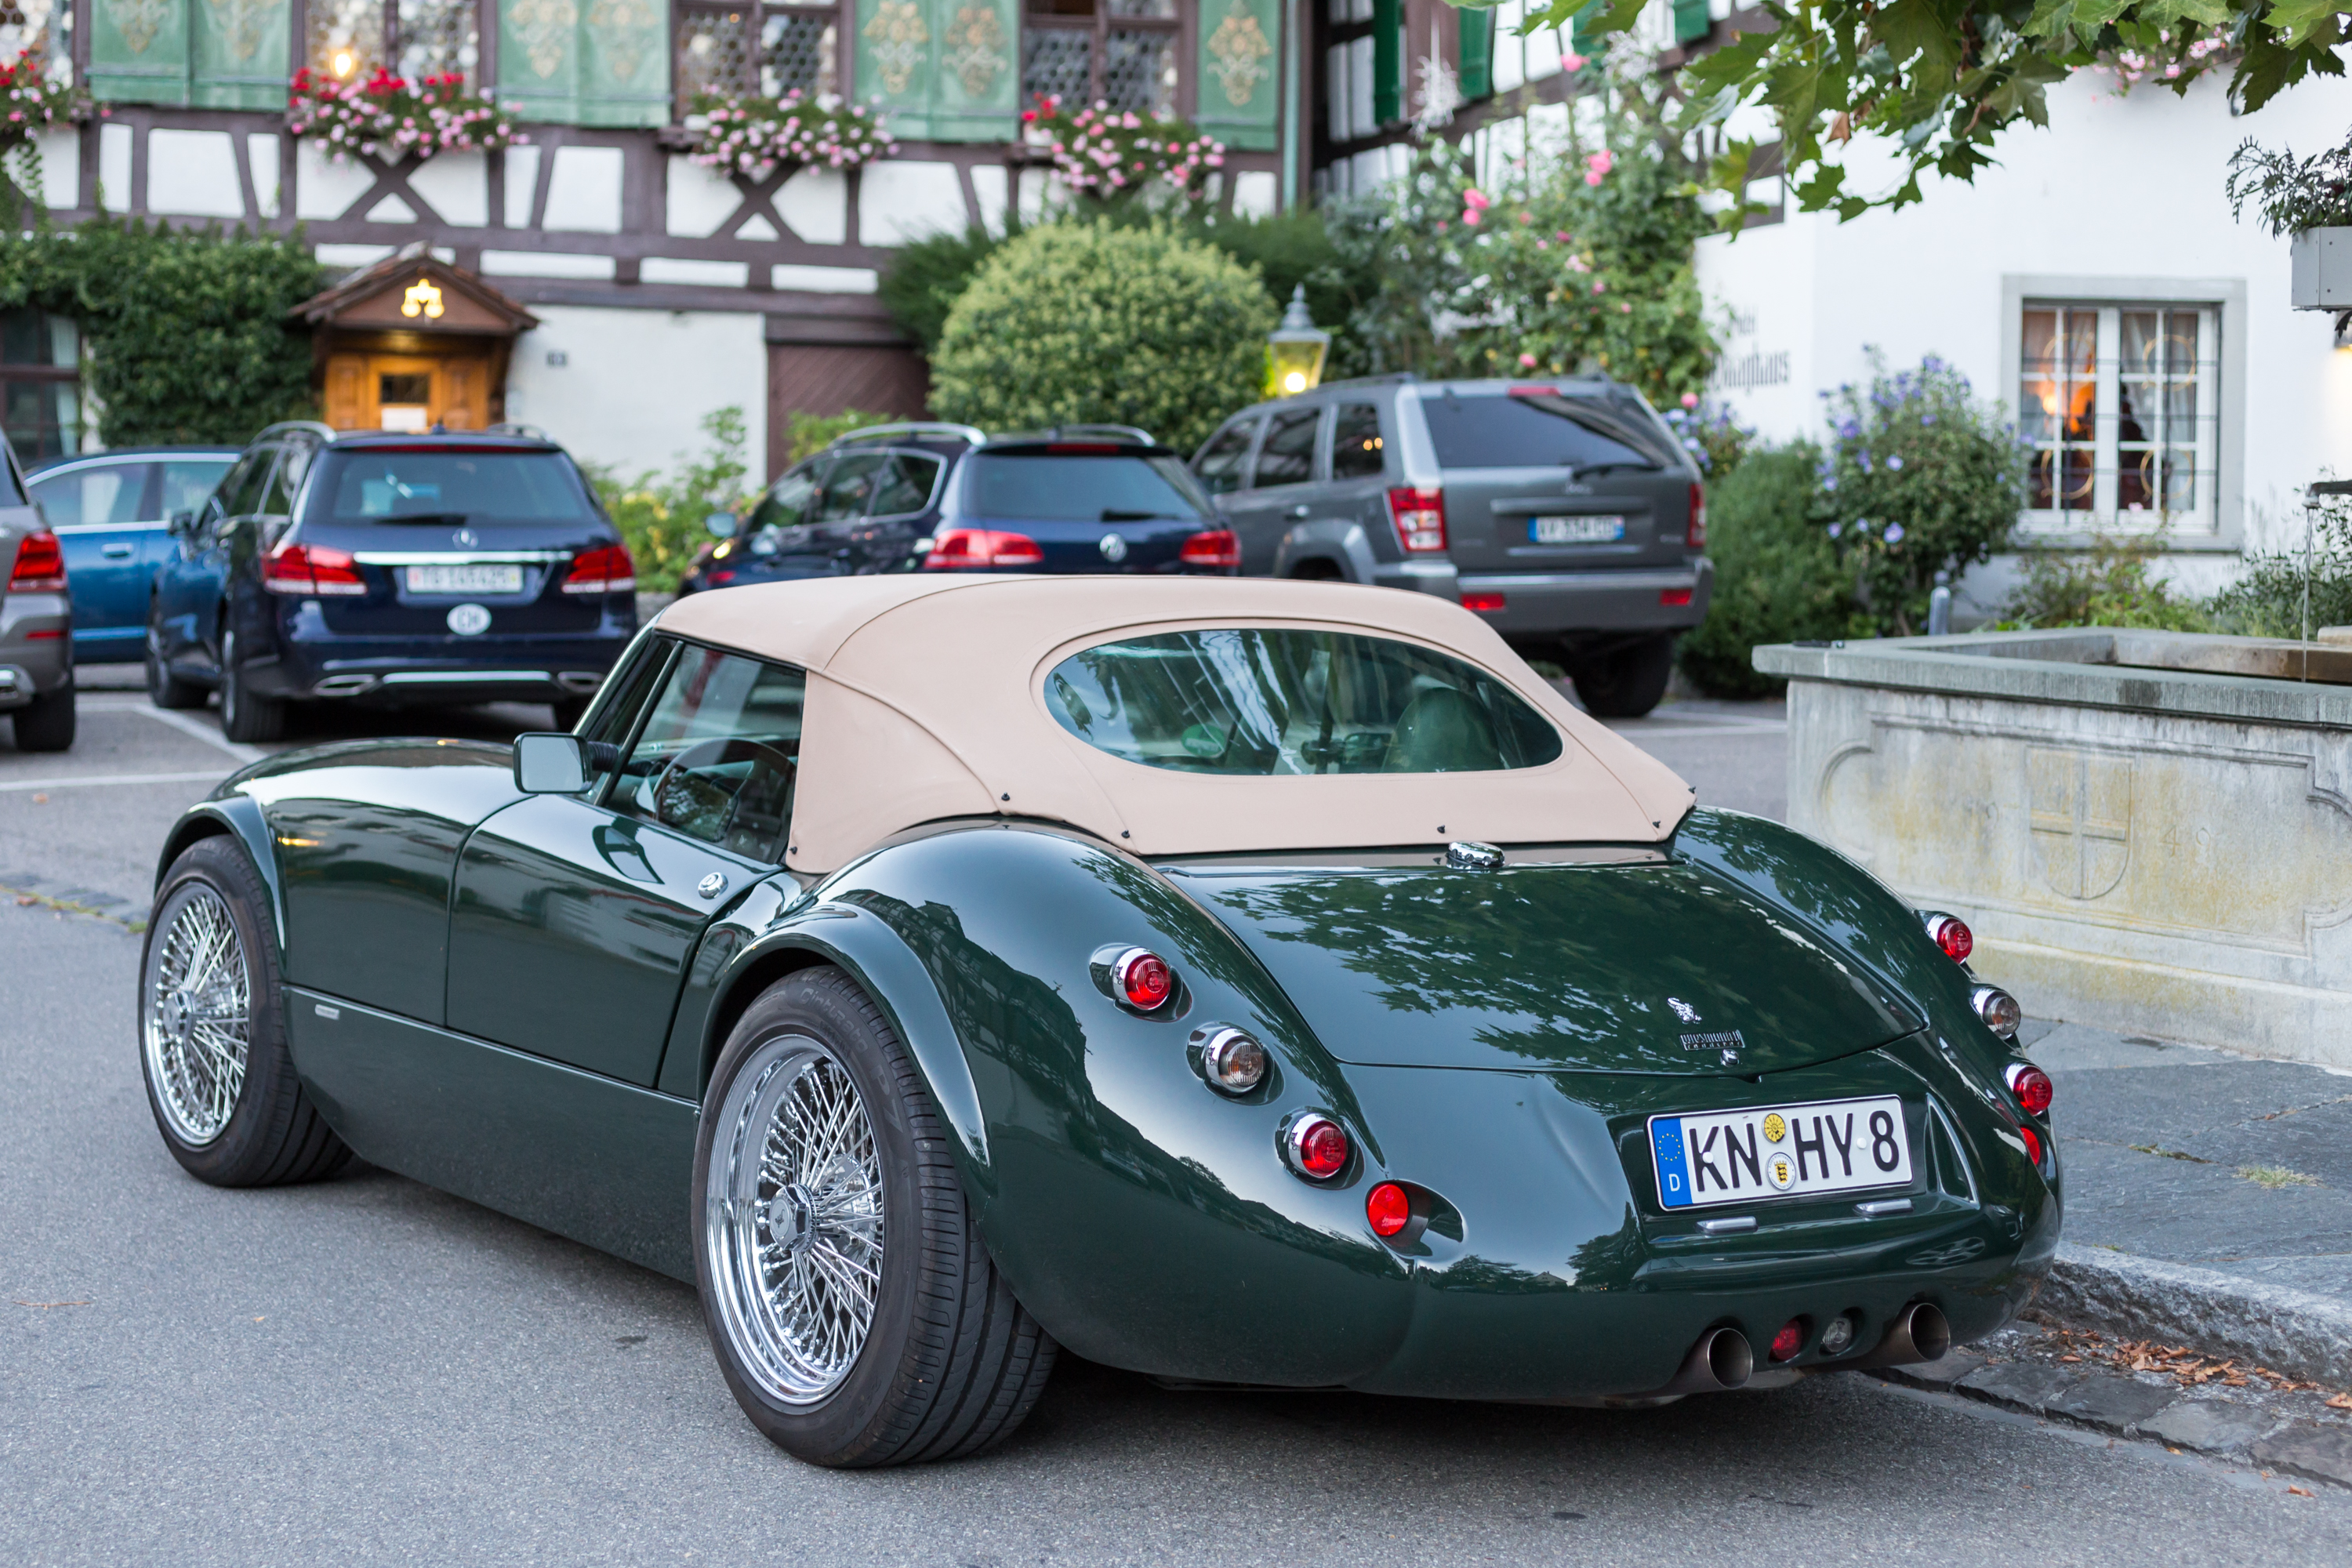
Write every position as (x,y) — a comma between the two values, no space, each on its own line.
(1599,287)
(1690,400)
(1527,362)
(1477,198)
(1571,61)
(1592,177)
(1470,216)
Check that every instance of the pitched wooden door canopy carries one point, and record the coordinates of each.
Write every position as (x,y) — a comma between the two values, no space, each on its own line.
(414,292)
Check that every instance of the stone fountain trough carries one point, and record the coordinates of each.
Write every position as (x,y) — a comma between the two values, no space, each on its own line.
(2147,831)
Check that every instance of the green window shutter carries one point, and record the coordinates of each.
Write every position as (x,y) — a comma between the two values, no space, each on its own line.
(585,62)
(898,52)
(1476,51)
(237,54)
(975,94)
(1691,21)
(1388,61)
(1239,71)
(139,51)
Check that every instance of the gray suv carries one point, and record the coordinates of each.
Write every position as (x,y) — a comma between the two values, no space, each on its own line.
(1564,512)
(37,676)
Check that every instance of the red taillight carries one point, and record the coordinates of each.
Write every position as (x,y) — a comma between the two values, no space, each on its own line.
(1482,601)
(1142,977)
(2032,1088)
(1318,1146)
(1789,1340)
(1419,517)
(1219,547)
(719,579)
(1388,1206)
(312,569)
(1673,598)
(606,569)
(40,566)
(1696,538)
(1950,933)
(2032,1145)
(977,549)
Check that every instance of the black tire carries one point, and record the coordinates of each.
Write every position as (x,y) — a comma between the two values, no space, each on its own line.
(951,1363)
(569,711)
(272,1133)
(46,723)
(1625,683)
(165,690)
(245,714)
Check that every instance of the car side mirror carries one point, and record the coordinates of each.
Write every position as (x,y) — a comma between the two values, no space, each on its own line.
(551,764)
(183,522)
(721,524)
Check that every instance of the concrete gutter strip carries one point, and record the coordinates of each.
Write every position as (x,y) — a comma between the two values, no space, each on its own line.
(1974,666)
(2289,1331)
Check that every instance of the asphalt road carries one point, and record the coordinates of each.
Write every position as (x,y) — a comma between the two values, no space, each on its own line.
(367,1371)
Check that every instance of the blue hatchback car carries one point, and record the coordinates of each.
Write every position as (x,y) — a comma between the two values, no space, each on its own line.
(111,513)
(946,497)
(394,570)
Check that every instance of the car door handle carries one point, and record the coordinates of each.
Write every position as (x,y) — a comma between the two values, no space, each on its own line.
(117,552)
(1299,510)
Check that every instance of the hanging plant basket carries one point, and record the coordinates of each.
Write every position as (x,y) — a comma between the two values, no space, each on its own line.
(393,118)
(753,136)
(1105,152)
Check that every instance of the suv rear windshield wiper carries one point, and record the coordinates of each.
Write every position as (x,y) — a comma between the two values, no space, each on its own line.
(1579,470)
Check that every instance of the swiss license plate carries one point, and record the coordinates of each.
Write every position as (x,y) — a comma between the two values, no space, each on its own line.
(1575,529)
(1779,1151)
(465,579)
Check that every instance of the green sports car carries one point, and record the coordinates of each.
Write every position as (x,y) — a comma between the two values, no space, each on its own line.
(1246,982)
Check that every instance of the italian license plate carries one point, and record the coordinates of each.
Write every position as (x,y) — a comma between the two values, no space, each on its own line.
(1779,1151)
(465,579)
(1575,529)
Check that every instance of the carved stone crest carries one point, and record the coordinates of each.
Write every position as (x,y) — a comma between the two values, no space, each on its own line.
(139,21)
(544,27)
(2081,803)
(897,34)
(1239,50)
(975,42)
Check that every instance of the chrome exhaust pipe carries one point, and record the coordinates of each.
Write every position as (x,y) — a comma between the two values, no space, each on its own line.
(1920,1334)
(344,685)
(583,681)
(1722,1359)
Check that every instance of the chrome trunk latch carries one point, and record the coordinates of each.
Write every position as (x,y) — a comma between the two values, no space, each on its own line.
(1464,855)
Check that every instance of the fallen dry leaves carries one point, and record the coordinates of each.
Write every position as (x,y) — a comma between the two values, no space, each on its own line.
(2185,1366)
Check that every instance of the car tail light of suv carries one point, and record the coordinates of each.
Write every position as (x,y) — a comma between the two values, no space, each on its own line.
(1419,517)
(1696,538)
(605,569)
(312,569)
(40,566)
(1218,547)
(977,549)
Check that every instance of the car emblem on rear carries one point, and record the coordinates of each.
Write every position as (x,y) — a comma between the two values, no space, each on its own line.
(1683,1010)
(1113,548)
(469,620)
(465,538)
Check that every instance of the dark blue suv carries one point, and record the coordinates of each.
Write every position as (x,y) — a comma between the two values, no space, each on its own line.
(390,569)
(945,498)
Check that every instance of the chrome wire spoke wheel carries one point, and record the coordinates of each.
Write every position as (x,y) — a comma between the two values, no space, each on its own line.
(198,1026)
(795,1228)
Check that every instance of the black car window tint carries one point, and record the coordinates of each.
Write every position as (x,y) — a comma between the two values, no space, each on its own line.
(788,501)
(186,482)
(629,690)
(848,486)
(1259,702)
(105,493)
(1357,450)
(717,756)
(1080,488)
(242,496)
(480,485)
(278,500)
(905,485)
(1536,430)
(1219,466)
(1289,455)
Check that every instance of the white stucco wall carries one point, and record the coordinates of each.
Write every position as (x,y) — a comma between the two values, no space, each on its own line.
(635,384)
(2115,188)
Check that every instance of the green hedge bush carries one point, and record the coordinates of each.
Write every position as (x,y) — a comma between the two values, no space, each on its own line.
(1777,577)
(1073,322)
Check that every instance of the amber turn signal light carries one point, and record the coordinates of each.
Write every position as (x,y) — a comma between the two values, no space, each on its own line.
(1998,1008)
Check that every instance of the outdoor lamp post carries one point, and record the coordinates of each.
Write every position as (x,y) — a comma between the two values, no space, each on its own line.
(1295,350)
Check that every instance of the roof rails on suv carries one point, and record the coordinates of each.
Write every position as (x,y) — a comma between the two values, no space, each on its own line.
(1127,433)
(309,426)
(963,433)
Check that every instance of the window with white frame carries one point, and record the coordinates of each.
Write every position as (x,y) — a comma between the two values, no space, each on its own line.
(2120,402)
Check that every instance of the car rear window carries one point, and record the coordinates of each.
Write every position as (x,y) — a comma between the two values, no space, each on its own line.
(484,485)
(1072,488)
(1246,701)
(1495,430)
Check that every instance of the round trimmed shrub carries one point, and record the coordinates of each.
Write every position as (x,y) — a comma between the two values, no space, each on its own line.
(1075,323)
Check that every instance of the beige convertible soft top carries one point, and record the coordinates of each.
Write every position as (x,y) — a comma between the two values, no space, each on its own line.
(926,701)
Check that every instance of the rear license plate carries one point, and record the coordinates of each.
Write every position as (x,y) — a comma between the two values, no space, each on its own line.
(1779,1152)
(1575,529)
(483,579)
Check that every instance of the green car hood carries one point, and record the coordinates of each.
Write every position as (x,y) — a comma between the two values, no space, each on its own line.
(1642,964)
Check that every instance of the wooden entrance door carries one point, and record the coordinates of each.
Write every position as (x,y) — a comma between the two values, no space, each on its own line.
(408,391)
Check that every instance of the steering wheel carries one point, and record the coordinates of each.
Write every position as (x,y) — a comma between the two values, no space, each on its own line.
(702,808)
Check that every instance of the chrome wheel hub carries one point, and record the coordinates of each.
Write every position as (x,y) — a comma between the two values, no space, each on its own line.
(198,1027)
(794,1231)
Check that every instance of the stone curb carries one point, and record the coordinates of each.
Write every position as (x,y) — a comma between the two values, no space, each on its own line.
(2295,1331)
